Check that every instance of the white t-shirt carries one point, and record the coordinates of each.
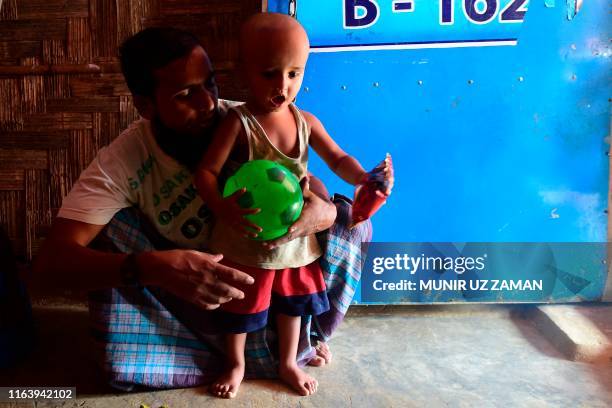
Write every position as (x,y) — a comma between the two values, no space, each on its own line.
(134,171)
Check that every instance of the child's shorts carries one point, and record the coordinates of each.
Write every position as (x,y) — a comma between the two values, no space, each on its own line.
(293,291)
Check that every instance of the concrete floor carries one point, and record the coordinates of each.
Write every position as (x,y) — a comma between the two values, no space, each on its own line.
(433,356)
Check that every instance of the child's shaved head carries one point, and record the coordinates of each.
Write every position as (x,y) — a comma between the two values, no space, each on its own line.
(273,54)
(271,30)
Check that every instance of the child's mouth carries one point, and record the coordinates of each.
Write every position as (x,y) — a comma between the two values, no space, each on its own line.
(278,100)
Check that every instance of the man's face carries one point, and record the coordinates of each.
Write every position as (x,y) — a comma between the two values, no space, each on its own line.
(186,95)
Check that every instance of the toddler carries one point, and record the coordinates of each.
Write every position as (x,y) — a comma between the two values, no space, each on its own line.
(273,53)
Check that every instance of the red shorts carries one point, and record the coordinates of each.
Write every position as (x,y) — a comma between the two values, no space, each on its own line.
(292,291)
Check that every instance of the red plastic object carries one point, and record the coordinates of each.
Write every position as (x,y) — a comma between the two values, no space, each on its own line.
(372,193)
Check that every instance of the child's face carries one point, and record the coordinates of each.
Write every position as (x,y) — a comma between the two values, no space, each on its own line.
(274,71)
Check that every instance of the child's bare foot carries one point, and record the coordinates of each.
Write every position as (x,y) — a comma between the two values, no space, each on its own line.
(227,385)
(297,379)
(323,357)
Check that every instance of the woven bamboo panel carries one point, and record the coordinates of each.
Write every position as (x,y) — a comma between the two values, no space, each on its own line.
(62,95)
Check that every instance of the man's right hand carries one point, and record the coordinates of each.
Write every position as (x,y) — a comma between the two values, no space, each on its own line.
(65,262)
(195,276)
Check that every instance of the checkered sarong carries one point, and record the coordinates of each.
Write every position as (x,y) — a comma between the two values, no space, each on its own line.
(150,338)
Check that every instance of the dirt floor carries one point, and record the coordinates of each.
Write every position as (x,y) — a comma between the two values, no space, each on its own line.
(433,356)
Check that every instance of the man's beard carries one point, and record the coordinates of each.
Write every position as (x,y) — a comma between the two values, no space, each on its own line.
(185,148)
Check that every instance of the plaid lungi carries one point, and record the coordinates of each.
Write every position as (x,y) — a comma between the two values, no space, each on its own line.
(148,337)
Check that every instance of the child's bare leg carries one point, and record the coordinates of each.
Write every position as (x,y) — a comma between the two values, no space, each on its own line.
(227,385)
(289,372)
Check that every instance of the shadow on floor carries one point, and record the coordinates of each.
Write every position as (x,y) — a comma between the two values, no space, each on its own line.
(62,355)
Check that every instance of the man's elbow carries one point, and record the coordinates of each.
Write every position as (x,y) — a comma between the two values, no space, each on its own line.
(52,257)
(42,261)
(317,187)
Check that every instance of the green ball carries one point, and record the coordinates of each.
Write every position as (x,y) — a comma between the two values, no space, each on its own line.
(272,188)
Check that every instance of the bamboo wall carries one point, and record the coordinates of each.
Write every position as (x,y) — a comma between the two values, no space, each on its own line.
(62,95)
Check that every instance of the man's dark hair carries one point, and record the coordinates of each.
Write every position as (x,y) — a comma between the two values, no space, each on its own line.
(151,49)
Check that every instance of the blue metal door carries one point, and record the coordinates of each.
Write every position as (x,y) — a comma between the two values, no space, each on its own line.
(496,113)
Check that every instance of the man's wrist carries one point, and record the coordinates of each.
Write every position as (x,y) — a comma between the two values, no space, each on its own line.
(129,271)
(323,214)
(332,213)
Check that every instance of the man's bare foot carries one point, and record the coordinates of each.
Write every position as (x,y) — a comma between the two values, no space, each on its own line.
(323,357)
(227,385)
(297,379)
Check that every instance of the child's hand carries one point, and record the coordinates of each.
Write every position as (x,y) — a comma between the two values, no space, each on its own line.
(381,177)
(233,214)
(372,191)
(389,174)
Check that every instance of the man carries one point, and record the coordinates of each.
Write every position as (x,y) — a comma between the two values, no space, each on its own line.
(149,167)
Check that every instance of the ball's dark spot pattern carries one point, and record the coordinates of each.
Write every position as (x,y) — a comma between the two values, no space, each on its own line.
(246,200)
(276,174)
(289,215)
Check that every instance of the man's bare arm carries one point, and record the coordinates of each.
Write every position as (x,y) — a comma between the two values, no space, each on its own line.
(318,214)
(65,261)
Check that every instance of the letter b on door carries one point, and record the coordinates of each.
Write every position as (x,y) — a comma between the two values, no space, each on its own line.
(360,13)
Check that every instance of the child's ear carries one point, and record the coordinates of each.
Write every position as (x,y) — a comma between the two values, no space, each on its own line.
(145,106)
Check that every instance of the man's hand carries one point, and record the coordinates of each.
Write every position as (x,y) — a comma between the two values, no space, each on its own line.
(195,276)
(317,215)
(192,275)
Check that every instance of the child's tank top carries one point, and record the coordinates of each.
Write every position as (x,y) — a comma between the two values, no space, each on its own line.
(225,240)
